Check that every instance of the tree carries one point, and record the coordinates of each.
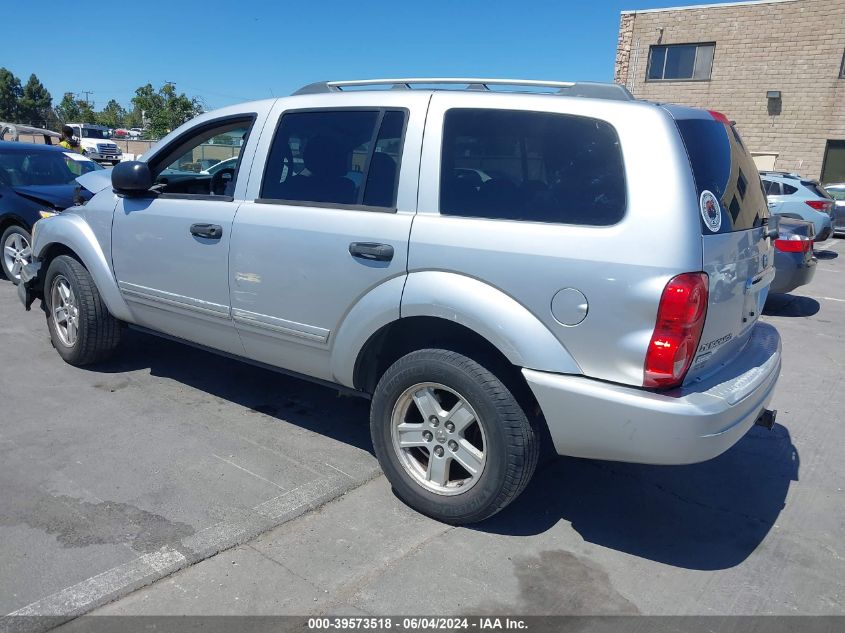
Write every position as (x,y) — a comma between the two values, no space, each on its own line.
(163,109)
(10,94)
(35,103)
(75,110)
(113,115)
(86,112)
(68,109)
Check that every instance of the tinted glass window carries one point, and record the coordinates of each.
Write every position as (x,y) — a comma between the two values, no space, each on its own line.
(721,165)
(771,187)
(788,190)
(383,172)
(348,157)
(814,187)
(680,61)
(532,166)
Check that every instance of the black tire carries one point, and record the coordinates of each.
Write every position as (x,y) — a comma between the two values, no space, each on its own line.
(98,332)
(12,230)
(511,444)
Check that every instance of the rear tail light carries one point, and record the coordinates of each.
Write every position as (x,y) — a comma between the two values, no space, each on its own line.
(680,319)
(794,244)
(718,116)
(820,205)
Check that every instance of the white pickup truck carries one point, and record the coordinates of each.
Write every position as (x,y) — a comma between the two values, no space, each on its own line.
(97,143)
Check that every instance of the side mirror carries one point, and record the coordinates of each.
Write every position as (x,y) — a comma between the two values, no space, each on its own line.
(131,178)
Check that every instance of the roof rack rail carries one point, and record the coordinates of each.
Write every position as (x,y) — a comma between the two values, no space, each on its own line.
(784,174)
(588,89)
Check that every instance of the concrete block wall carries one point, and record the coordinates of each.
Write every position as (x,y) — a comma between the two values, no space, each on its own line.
(795,46)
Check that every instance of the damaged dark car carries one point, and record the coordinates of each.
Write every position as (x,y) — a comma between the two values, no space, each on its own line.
(36,181)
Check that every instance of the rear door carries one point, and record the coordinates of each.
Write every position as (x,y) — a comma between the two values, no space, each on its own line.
(737,256)
(774,195)
(327,222)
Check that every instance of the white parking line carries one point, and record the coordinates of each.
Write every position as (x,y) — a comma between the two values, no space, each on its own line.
(122,579)
(832,299)
(74,600)
(257,476)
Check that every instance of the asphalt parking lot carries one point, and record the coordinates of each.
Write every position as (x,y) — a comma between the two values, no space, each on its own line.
(114,478)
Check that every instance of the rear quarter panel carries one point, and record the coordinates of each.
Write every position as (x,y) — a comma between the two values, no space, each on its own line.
(621,269)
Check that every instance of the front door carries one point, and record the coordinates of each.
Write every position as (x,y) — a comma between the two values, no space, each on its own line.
(171,247)
(329,224)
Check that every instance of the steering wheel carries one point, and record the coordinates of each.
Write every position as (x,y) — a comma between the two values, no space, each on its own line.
(221,179)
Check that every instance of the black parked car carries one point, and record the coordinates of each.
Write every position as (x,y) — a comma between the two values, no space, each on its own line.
(35,181)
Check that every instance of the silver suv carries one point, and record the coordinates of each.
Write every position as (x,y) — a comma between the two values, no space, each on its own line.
(496,270)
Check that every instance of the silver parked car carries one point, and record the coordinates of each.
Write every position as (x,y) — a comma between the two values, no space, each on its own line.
(558,297)
(792,196)
(837,192)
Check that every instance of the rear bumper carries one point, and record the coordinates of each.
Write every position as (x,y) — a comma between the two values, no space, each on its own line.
(792,271)
(589,418)
(825,233)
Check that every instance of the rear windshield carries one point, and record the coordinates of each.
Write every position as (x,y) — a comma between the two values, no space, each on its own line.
(814,187)
(721,165)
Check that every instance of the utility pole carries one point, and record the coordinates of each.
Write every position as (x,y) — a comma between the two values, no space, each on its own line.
(86,93)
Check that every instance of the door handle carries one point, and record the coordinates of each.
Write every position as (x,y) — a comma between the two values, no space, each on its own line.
(772,204)
(371,251)
(210,231)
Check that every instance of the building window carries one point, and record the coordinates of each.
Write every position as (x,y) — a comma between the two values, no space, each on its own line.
(833,167)
(691,62)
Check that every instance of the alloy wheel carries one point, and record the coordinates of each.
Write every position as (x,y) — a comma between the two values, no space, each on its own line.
(65,310)
(438,438)
(17,253)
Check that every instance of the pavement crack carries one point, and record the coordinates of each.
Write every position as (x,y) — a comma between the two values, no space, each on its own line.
(350,591)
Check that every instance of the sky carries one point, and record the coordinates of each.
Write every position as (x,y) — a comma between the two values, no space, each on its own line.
(229,51)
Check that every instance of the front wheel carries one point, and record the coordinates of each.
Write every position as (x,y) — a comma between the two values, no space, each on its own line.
(450,436)
(17,252)
(82,329)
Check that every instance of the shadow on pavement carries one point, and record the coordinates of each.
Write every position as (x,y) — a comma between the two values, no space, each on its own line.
(704,516)
(826,254)
(790,306)
(305,404)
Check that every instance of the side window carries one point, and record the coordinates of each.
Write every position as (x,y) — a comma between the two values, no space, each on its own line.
(532,166)
(788,190)
(205,163)
(346,157)
(771,187)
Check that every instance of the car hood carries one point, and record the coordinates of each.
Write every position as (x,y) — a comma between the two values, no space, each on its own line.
(54,196)
(96,181)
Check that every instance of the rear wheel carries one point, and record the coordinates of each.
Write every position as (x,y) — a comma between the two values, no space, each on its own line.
(17,252)
(81,328)
(450,436)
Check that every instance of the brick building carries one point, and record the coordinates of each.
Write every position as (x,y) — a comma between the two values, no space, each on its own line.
(776,67)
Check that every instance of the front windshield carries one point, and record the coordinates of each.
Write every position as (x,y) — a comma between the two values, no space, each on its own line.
(90,132)
(24,169)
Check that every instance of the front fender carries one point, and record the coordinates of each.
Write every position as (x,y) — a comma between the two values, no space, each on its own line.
(73,232)
(489,312)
